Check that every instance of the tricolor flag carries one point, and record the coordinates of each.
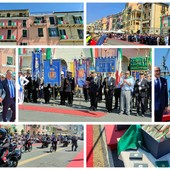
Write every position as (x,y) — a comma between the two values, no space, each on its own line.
(22,51)
(118,65)
(48,53)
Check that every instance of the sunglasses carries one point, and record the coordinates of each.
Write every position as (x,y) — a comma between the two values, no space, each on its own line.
(157,70)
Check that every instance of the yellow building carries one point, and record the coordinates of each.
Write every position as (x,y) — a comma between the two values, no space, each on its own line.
(151,13)
(132,17)
(104,24)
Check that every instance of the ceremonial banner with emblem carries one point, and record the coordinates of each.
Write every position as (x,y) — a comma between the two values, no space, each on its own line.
(105,64)
(52,72)
(36,65)
(81,73)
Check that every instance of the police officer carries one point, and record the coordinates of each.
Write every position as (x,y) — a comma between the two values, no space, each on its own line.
(141,88)
(109,84)
(74,143)
(54,141)
(93,91)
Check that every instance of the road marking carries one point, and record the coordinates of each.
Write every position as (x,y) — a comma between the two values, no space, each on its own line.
(37,157)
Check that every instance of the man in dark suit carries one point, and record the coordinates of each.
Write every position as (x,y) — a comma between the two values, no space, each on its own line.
(94,91)
(109,84)
(29,87)
(69,87)
(161,95)
(140,90)
(9,100)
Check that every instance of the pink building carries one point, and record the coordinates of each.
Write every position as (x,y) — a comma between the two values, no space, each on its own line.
(14,27)
(19,27)
(43,30)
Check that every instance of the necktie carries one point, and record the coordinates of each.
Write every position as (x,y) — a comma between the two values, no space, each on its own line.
(158,86)
(11,89)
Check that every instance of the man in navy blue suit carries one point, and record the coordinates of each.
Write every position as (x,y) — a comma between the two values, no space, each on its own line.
(161,95)
(9,100)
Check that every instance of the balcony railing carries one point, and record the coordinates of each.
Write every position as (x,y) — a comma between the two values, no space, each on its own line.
(69,23)
(14,16)
(8,38)
(7,25)
(40,22)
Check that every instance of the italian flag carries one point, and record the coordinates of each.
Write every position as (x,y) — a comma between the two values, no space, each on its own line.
(118,65)
(22,51)
(48,53)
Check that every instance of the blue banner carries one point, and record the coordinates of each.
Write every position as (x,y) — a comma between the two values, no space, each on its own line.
(52,72)
(105,64)
(36,65)
(81,73)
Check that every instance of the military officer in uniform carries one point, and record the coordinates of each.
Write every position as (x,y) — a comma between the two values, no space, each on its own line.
(109,84)
(141,88)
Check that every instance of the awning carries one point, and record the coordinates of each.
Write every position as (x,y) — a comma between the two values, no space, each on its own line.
(144,22)
(60,15)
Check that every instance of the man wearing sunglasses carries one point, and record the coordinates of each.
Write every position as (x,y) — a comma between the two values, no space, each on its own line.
(161,94)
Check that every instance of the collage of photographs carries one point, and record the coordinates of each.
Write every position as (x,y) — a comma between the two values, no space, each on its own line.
(84,84)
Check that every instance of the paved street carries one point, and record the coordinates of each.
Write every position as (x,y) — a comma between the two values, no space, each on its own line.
(121,42)
(30,112)
(42,157)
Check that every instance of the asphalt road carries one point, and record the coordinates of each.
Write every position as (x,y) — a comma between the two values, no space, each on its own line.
(121,42)
(82,106)
(42,157)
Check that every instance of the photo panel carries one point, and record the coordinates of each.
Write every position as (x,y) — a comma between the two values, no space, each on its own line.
(128,23)
(161,85)
(128,146)
(41,23)
(42,145)
(7,84)
(84,84)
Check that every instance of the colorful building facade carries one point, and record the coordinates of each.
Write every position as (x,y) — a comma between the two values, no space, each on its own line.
(19,27)
(136,18)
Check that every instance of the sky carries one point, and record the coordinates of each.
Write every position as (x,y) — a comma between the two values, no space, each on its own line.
(97,11)
(43,7)
(159,53)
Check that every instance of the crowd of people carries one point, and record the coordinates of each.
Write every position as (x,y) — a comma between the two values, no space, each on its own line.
(25,141)
(130,92)
(147,39)
(7,96)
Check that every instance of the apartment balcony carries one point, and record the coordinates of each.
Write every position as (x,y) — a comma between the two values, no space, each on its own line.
(11,38)
(39,22)
(5,25)
(14,16)
(69,24)
(136,18)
